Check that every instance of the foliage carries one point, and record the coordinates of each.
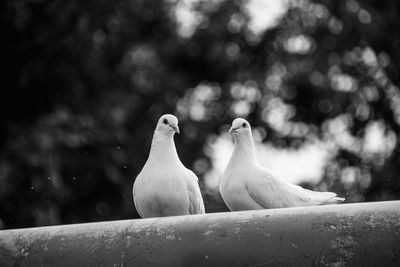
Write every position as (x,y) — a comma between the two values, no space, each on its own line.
(86,81)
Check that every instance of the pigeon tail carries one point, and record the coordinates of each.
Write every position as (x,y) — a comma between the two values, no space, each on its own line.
(334,200)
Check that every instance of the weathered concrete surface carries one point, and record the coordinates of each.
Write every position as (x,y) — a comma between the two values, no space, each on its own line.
(365,234)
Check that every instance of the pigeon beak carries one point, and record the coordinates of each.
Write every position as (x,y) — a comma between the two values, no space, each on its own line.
(175,128)
(232,129)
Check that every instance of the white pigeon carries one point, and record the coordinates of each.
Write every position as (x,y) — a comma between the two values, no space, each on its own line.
(246,185)
(165,187)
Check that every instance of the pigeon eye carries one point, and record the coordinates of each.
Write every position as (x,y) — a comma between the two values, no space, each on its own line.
(244,125)
(165,121)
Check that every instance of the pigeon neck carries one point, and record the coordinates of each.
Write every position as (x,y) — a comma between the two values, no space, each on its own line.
(163,147)
(244,149)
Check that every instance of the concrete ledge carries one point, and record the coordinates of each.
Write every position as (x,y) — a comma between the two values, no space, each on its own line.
(362,234)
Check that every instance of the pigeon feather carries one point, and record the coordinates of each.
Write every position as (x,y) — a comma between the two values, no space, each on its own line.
(165,187)
(246,185)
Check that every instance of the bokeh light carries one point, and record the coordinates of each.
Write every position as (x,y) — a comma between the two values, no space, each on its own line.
(86,82)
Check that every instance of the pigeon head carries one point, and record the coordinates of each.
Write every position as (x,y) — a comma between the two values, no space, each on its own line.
(240,126)
(168,124)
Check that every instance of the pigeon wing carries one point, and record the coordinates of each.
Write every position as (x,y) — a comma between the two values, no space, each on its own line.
(135,201)
(271,192)
(137,207)
(196,204)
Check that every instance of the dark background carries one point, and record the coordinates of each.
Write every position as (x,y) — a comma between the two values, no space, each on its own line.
(84,83)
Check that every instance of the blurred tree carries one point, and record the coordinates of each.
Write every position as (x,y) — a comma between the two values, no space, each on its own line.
(86,82)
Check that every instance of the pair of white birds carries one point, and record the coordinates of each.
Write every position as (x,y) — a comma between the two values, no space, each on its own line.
(165,187)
